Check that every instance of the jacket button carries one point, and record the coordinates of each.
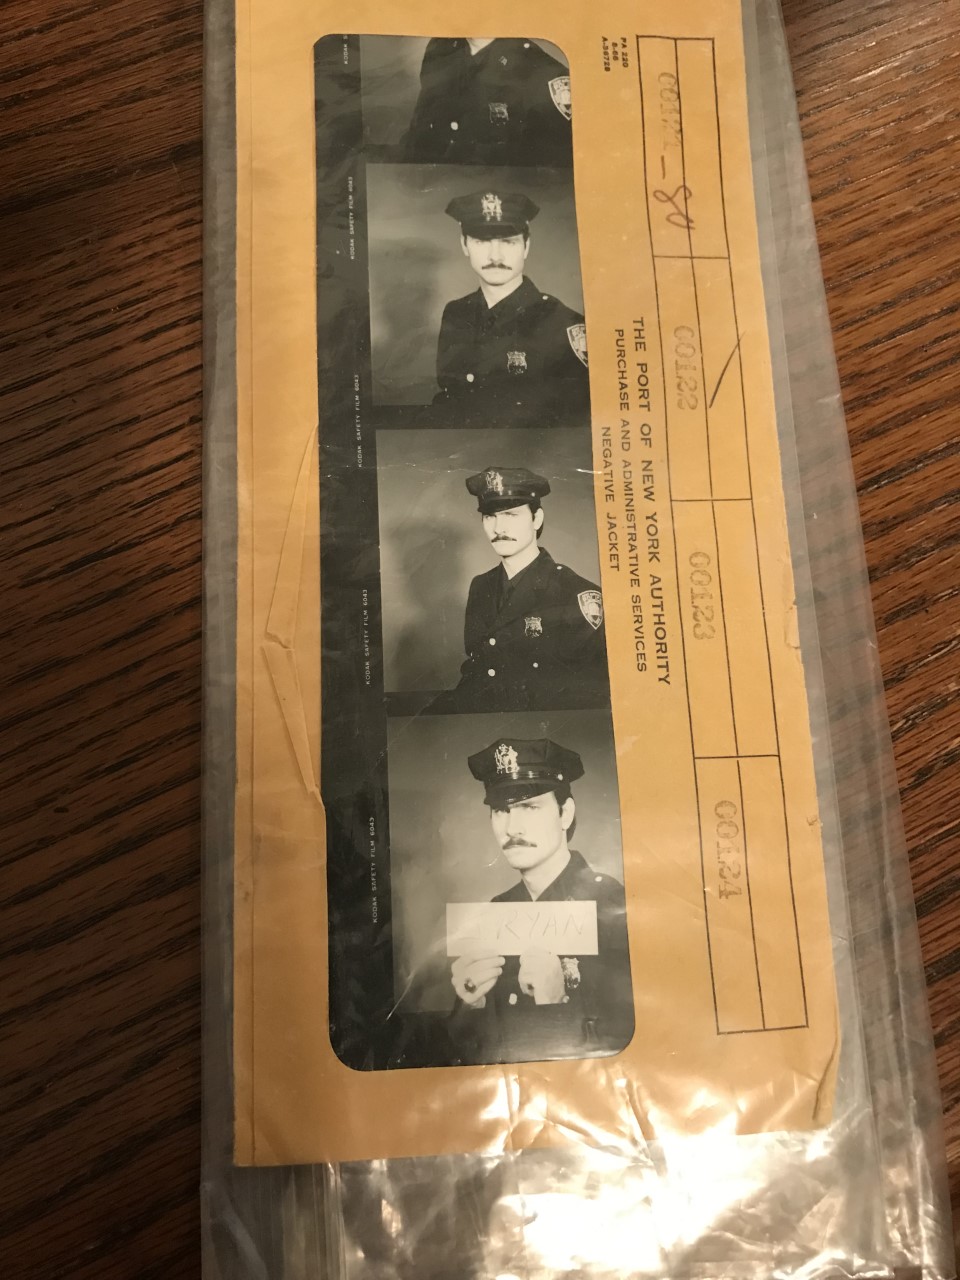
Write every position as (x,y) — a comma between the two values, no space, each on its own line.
(492,640)
(598,879)
(526,44)
(491,671)
(513,997)
(454,125)
(470,377)
(535,665)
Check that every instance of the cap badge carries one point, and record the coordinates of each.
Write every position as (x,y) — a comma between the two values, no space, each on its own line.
(577,337)
(499,114)
(517,362)
(494,482)
(506,759)
(491,208)
(560,93)
(533,627)
(591,606)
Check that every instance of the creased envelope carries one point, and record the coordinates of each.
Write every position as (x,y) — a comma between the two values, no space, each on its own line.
(734,991)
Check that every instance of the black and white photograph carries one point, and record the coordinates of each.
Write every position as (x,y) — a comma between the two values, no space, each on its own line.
(476,300)
(490,571)
(468,770)
(479,100)
(509,918)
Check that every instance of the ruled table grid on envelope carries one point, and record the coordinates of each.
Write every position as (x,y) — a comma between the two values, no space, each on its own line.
(751,921)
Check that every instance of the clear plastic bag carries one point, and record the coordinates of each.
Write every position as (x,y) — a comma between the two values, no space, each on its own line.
(862,1196)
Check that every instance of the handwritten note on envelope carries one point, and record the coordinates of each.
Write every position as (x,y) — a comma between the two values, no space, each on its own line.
(511,928)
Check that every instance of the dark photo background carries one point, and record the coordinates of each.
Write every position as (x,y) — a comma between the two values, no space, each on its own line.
(442,847)
(391,83)
(432,543)
(417,265)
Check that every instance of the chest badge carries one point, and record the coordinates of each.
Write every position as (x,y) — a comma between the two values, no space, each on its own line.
(533,626)
(591,606)
(517,362)
(560,93)
(499,113)
(577,337)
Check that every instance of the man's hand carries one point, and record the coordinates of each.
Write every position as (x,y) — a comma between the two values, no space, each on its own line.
(474,975)
(541,976)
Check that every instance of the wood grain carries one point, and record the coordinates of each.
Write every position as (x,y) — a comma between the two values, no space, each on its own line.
(877,87)
(100,404)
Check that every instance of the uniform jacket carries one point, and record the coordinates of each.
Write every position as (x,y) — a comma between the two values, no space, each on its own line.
(515,363)
(597,1016)
(530,641)
(507,104)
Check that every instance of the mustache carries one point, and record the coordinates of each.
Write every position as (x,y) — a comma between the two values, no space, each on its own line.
(517,842)
(494,266)
(502,537)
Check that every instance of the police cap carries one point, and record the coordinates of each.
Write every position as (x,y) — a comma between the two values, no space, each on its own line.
(514,769)
(492,215)
(498,488)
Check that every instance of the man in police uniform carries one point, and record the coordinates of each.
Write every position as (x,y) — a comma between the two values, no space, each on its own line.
(533,630)
(539,1004)
(508,355)
(490,102)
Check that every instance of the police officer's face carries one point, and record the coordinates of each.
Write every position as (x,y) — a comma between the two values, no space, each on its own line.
(513,530)
(532,830)
(497,262)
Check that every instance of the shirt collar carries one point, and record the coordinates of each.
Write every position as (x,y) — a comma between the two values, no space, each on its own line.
(571,873)
(519,300)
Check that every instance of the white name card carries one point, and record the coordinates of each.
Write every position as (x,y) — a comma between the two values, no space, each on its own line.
(511,928)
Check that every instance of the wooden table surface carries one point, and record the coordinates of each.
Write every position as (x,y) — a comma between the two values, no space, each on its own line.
(100,250)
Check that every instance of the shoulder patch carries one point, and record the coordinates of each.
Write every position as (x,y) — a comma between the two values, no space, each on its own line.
(577,337)
(591,606)
(560,95)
